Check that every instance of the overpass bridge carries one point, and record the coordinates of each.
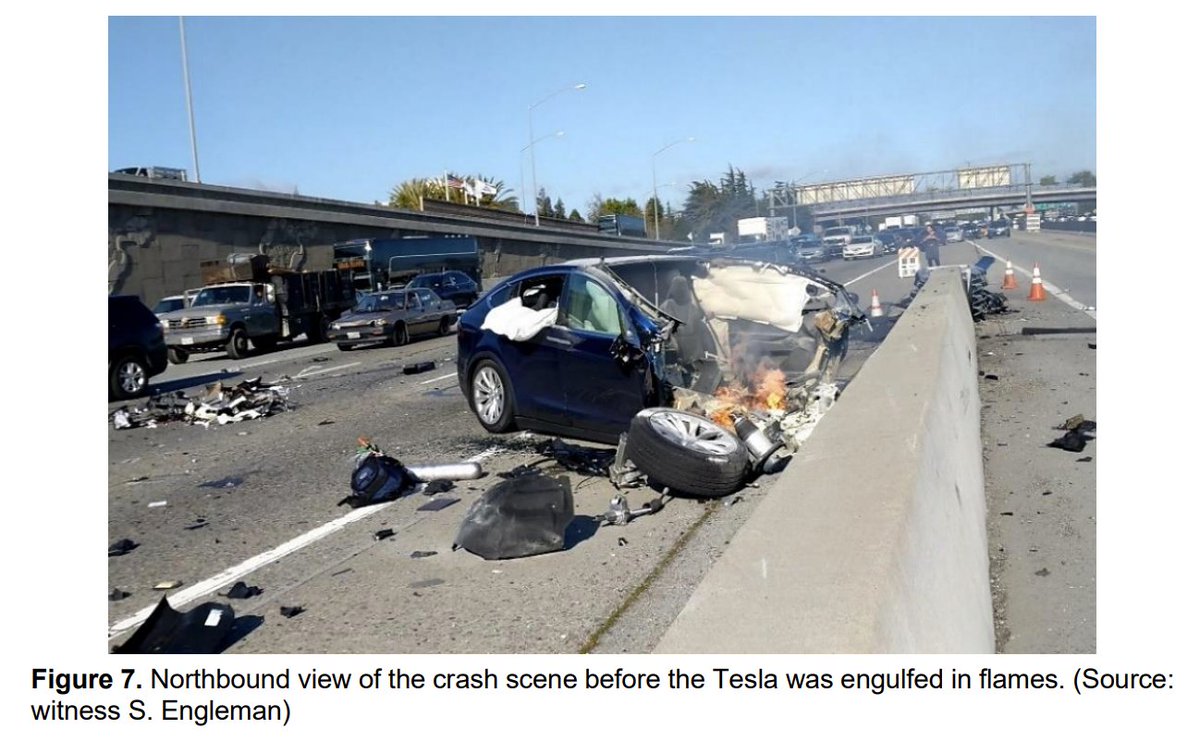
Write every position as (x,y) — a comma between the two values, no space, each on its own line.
(993,186)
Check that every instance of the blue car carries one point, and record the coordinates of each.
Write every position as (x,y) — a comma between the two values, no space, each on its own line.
(578,349)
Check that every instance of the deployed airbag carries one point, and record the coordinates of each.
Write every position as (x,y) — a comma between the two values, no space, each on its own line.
(518,322)
(757,294)
(521,516)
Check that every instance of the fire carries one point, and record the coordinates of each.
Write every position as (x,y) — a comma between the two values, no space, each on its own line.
(771,391)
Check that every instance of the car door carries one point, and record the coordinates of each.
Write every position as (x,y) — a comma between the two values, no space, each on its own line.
(598,392)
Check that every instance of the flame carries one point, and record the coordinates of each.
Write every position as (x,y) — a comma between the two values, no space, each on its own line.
(771,390)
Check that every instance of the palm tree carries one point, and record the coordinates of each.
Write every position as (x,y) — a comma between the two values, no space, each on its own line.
(410,193)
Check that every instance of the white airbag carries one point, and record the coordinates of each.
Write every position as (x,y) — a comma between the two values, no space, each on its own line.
(745,292)
(517,322)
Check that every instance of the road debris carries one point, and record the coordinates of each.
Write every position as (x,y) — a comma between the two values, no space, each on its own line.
(199,523)
(422,554)
(250,399)
(116,595)
(437,486)
(162,585)
(521,516)
(159,503)
(290,612)
(241,590)
(437,505)
(384,534)
(380,478)
(415,368)
(121,547)
(226,483)
(1079,431)
(201,630)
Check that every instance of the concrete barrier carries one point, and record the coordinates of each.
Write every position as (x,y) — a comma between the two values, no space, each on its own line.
(874,538)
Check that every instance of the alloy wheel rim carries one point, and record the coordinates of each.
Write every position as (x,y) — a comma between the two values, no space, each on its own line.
(489,395)
(132,377)
(695,433)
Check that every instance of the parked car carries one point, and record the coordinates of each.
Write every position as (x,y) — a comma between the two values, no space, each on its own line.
(392,317)
(890,241)
(972,231)
(999,228)
(809,248)
(452,285)
(168,304)
(952,233)
(577,349)
(136,349)
(864,245)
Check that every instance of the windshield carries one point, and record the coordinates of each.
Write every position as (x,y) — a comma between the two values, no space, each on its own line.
(168,304)
(223,295)
(862,240)
(379,302)
(837,231)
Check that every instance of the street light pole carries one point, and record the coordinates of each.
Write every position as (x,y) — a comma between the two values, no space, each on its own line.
(532,157)
(187,91)
(529,146)
(654,177)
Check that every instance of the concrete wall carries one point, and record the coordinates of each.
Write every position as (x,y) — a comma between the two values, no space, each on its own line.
(160,232)
(874,538)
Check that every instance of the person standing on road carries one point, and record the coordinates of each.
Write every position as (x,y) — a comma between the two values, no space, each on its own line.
(931,245)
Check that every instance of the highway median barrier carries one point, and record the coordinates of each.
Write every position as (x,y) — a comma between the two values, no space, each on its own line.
(874,539)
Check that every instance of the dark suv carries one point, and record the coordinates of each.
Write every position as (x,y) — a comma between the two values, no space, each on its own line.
(136,350)
(451,285)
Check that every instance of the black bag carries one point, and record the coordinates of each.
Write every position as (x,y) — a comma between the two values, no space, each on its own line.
(378,478)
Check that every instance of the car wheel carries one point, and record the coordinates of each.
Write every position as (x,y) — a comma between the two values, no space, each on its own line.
(238,345)
(687,452)
(444,326)
(128,377)
(176,355)
(344,346)
(492,397)
(399,334)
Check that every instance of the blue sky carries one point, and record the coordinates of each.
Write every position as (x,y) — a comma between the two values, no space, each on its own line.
(346,108)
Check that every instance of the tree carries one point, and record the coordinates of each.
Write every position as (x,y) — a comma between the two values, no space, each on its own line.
(1084,178)
(575,215)
(410,193)
(717,208)
(1048,180)
(560,210)
(544,208)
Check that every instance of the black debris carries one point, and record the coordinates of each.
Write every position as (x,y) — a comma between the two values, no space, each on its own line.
(422,554)
(438,486)
(201,630)
(1007,514)
(121,547)
(226,483)
(1047,493)
(325,422)
(522,516)
(320,359)
(1091,345)
(730,501)
(343,571)
(1042,572)
(436,505)
(116,595)
(1085,459)
(579,458)
(525,469)
(414,368)
(384,534)
(290,612)
(991,377)
(199,523)
(378,478)
(1074,442)
(138,479)
(240,590)
(622,542)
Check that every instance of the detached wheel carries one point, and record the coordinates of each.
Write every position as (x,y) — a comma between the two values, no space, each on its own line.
(687,452)
(492,397)
(238,345)
(176,355)
(399,334)
(128,377)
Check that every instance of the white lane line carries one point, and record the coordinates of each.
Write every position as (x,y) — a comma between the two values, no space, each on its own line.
(1052,289)
(310,371)
(439,378)
(232,574)
(889,264)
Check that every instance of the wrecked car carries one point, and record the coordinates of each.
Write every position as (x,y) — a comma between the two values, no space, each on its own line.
(392,317)
(580,348)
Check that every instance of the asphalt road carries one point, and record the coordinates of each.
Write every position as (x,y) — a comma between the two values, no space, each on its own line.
(257,501)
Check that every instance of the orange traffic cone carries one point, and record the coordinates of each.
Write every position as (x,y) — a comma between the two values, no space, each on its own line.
(1010,279)
(1036,292)
(876,309)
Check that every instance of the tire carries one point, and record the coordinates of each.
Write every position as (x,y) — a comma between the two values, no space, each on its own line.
(177,356)
(128,377)
(399,335)
(444,327)
(687,452)
(491,396)
(238,345)
(345,346)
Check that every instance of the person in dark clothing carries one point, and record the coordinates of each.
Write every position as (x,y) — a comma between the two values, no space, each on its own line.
(931,245)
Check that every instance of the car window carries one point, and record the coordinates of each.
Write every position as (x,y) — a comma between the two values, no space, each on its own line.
(541,293)
(427,296)
(592,308)
(501,295)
